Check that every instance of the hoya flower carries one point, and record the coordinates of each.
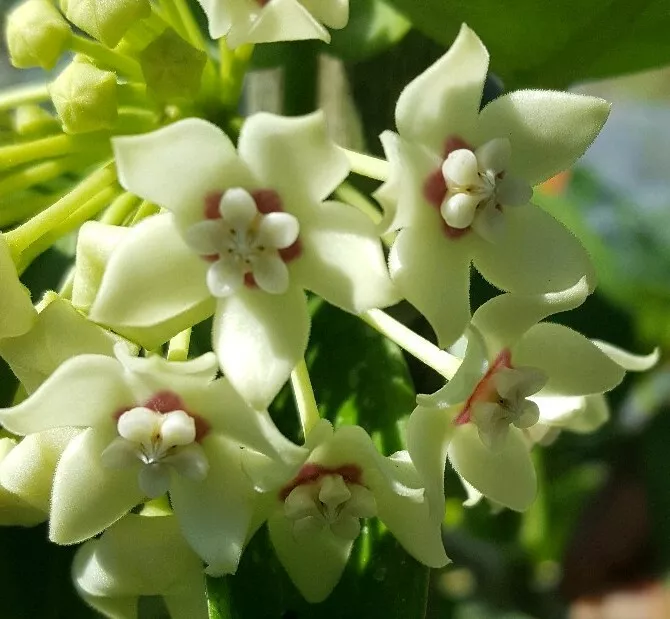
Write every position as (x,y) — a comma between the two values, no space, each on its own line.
(17,313)
(248,230)
(264,21)
(315,517)
(150,426)
(460,184)
(517,371)
(141,556)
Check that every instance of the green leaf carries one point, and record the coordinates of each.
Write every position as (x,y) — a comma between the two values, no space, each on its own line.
(553,44)
(374,26)
(358,377)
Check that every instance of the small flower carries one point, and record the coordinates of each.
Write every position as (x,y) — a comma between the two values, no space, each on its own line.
(17,313)
(141,555)
(460,186)
(249,231)
(316,515)
(265,21)
(517,371)
(150,426)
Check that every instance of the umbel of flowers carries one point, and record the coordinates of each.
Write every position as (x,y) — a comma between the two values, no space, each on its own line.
(165,463)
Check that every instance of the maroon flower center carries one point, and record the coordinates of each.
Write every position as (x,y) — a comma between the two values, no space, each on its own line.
(435,186)
(312,473)
(165,402)
(485,390)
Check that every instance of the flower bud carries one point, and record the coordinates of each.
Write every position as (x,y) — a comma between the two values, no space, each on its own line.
(36,35)
(85,98)
(172,68)
(32,120)
(105,21)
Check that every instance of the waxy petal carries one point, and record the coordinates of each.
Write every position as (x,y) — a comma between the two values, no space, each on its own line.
(60,333)
(224,278)
(502,320)
(573,364)
(433,273)
(581,414)
(237,208)
(270,274)
(28,469)
(86,390)
(506,476)
(178,166)
(293,156)
(153,267)
(278,230)
(141,555)
(534,253)
(548,130)
(342,260)
(444,100)
(627,360)
(259,338)
(214,514)
(279,20)
(88,497)
(314,563)
(17,313)
(14,510)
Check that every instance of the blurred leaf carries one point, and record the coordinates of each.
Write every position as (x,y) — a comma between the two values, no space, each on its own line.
(553,44)
(374,25)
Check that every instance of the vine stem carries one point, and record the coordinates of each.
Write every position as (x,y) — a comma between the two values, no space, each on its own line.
(304,397)
(21,95)
(107,57)
(179,345)
(426,352)
(367,165)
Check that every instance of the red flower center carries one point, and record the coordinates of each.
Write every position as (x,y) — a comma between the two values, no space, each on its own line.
(311,473)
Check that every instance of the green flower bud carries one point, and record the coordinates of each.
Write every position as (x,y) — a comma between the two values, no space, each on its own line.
(36,35)
(105,21)
(33,120)
(85,98)
(172,68)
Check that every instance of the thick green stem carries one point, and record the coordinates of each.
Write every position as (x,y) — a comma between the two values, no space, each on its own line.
(39,173)
(22,95)
(426,352)
(22,237)
(120,209)
(179,345)
(233,65)
(193,32)
(301,78)
(171,15)
(304,397)
(366,165)
(108,58)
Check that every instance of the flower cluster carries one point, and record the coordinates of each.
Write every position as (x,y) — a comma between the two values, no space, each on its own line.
(174,460)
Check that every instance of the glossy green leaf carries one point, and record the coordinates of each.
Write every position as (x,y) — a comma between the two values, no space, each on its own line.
(552,44)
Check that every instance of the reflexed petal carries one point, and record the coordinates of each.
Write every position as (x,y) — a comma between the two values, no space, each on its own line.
(627,360)
(494,155)
(225,277)
(334,14)
(429,431)
(220,405)
(293,156)
(444,100)
(14,511)
(314,563)
(573,364)
(342,260)
(28,469)
(433,273)
(582,414)
(17,313)
(214,514)
(535,253)
(403,196)
(59,334)
(141,555)
(259,339)
(87,497)
(460,168)
(85,391)
(505,476)
(177,166)
(151,277)
(502,320)
(238,208)
(280,20)
(271,274)
(278,230)
(548,130)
